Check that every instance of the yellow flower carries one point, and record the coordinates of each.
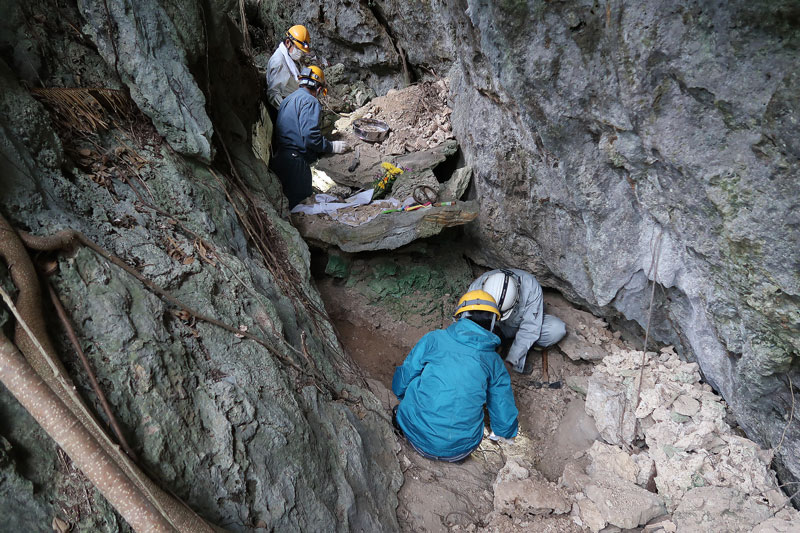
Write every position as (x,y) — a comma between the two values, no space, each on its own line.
(391,169)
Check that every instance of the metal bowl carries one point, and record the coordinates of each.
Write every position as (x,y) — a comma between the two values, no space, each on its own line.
(371,130)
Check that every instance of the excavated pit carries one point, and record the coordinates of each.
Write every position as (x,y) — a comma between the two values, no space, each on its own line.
(560,469)
(590,456)
(378,331)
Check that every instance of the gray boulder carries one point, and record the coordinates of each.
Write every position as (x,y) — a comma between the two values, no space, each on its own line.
(609,136)
(386,231)
(519,490)
(622,503)
(718,509)
(150,48)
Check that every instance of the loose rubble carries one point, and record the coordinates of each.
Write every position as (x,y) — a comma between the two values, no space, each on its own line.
(518,489)
(418,115)
(708,477)
(601,455)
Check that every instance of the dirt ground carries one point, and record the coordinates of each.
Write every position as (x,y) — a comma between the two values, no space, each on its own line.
(440,496)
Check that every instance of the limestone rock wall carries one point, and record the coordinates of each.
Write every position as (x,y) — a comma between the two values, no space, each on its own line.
(611,138)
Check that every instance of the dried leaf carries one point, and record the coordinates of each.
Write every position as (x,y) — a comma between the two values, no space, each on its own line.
(49,267)
(85,152)
(181,314)
(174,249)
(189,260)
(59,526)
(85,109)
(242,328)
(205,254)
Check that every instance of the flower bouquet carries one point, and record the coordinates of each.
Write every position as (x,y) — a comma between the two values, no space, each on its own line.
(383,184)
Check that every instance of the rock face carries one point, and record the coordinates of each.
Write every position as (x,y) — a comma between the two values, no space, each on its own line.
(611,139)
(220,420)
(150,48)
(386,231)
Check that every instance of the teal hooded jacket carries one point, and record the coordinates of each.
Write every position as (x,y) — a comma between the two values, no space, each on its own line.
(444,383)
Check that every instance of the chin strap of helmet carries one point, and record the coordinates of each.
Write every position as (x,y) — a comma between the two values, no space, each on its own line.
(509,275)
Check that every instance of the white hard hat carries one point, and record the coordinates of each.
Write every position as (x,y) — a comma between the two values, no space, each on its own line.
(503,286)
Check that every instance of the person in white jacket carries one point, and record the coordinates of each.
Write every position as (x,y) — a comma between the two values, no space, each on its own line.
(282,69)
(519,298)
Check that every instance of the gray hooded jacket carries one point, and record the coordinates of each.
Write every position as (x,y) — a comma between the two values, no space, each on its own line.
(525,321)
(280,80)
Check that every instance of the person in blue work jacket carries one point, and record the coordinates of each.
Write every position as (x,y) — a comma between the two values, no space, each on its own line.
(298,140)
(446,380)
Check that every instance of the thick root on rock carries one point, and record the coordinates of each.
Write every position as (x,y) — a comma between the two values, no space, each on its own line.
(32,340)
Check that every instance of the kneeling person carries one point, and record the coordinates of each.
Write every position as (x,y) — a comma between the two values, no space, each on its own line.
(519,298)
(446,380)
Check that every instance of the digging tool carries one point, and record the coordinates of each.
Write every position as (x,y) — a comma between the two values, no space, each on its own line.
(356,161)
(545,374)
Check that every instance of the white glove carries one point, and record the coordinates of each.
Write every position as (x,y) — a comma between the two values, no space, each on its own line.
(339,147)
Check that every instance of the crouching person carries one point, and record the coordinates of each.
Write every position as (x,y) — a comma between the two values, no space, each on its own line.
(446,380)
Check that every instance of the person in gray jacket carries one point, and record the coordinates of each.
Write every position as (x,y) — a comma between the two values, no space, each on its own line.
(282,69)
(519,298)
(298,140)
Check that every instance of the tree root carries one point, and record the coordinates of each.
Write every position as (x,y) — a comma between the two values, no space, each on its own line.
(29,302)
(68,432)
(73,338)
(32,339)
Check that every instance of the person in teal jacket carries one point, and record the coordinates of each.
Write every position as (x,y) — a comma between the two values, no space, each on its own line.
(446,380)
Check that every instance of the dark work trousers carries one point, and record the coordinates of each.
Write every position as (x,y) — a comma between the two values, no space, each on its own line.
(294,173)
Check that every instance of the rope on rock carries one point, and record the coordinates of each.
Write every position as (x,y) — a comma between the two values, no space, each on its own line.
(654,259)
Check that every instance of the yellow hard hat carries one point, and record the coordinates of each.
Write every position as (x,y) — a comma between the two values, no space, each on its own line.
(299,36)
(313,77)
(477,301)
